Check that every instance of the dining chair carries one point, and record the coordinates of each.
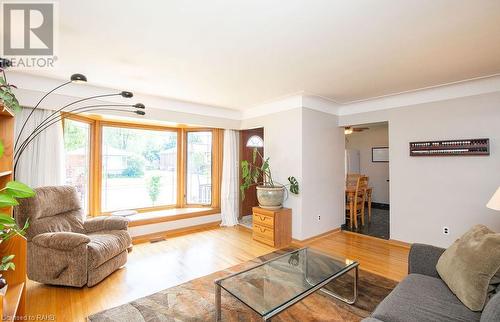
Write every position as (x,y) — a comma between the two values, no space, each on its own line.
(356,202)
(352,179)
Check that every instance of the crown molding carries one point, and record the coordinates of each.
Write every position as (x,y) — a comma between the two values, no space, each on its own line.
(32,88)
(281,104)
(471,87)
(293,101)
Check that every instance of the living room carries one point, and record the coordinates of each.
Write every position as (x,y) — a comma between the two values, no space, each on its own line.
(128,166)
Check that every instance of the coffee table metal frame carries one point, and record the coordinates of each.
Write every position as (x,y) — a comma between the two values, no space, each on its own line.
(354,265)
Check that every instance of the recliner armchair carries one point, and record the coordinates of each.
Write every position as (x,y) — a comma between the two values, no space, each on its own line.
(65,249)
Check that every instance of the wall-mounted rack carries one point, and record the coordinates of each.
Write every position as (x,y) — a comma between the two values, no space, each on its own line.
(450,147)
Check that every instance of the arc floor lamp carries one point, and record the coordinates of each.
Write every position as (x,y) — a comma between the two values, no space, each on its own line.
(74,108)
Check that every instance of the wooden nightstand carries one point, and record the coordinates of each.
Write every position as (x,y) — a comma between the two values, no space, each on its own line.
(272,227)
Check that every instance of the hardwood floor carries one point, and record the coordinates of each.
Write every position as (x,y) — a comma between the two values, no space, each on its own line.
(156,266)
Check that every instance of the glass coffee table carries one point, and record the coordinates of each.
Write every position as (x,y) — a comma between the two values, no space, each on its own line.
(274,285)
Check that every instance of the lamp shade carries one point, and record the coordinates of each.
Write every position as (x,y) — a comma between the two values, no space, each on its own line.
(255,141)
(78,78)
(494,202)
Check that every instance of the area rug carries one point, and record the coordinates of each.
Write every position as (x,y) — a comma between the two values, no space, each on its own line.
(194,301)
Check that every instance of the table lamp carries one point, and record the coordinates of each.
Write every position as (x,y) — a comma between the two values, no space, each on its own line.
(494,202)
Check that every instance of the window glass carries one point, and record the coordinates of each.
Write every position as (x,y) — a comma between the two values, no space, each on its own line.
(139,168)
(77,155)
(199,168)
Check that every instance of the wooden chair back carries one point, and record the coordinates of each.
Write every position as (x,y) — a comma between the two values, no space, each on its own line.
(351,179)
(361,186)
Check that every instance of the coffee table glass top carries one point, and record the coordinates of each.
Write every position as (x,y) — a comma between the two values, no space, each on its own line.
(274,283)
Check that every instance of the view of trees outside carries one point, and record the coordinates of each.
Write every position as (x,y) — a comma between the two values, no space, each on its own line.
(199,167)
(77,150)
(139,168)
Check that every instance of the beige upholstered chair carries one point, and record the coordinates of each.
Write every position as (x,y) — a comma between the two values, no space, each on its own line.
(63,247)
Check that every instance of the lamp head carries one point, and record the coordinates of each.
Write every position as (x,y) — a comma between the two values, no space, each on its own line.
(140,112)
(494,202)
(78,78)
(139,105)
(127,94)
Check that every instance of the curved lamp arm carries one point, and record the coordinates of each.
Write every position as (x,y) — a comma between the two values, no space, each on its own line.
(19,153)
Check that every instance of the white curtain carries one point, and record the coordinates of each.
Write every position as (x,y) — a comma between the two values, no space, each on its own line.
(230,179)
(42,163)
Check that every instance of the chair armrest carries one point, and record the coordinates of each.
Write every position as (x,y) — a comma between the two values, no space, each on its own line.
(423,259)
(105,223)
(61,240)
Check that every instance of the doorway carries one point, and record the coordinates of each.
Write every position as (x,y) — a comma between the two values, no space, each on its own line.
(367,154)
(249,140)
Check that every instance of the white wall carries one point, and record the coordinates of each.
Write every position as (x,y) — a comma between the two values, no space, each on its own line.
(428,193)
(172,225)
(309,145)
(378,172)
(322,173)
(283,145)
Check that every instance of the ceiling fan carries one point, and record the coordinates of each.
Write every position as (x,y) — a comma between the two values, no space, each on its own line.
(350,129)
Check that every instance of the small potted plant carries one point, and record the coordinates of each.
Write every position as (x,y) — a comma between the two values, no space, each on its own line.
(5,265)
(270,194)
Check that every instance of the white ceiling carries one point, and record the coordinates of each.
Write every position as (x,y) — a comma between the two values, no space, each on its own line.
(239,54)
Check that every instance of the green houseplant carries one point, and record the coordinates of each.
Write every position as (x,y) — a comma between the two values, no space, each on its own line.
(270,194)
(6,94)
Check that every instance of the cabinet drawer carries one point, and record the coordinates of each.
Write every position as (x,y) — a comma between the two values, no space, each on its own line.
(263,232)
(263,220)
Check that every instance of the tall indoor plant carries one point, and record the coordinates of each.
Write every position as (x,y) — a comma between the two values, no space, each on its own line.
(270,194)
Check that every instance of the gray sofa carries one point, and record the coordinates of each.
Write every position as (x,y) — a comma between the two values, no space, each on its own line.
(422,296)
(66,249)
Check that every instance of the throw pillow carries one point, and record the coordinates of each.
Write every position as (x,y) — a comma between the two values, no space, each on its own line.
(469,265)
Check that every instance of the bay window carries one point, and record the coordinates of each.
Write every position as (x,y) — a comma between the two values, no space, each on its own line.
(123,166)
(77,158)
(139,168)
(199,168)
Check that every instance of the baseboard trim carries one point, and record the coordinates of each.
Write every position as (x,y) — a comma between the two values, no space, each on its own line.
(377,205)
(393,242)
(174,232)
(244,227)
(311,239)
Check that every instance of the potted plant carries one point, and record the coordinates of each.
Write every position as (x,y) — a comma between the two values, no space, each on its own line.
(270,194)
(7,96)
(5,264)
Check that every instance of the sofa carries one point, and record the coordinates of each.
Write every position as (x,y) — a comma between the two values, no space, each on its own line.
(66,249)
(422,296)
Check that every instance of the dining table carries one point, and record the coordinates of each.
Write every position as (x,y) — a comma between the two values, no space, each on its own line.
(350,192)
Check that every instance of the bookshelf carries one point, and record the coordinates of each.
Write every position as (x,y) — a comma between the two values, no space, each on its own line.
(13,304)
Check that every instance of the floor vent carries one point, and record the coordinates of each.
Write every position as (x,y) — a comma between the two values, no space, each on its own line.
(157,240)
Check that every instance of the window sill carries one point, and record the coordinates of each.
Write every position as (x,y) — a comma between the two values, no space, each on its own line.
(154,217)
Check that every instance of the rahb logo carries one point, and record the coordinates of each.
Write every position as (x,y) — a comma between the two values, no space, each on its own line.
(28,31)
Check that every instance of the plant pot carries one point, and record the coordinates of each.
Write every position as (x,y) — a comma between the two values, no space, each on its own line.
(3,290)
(3,286)
(270,197)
